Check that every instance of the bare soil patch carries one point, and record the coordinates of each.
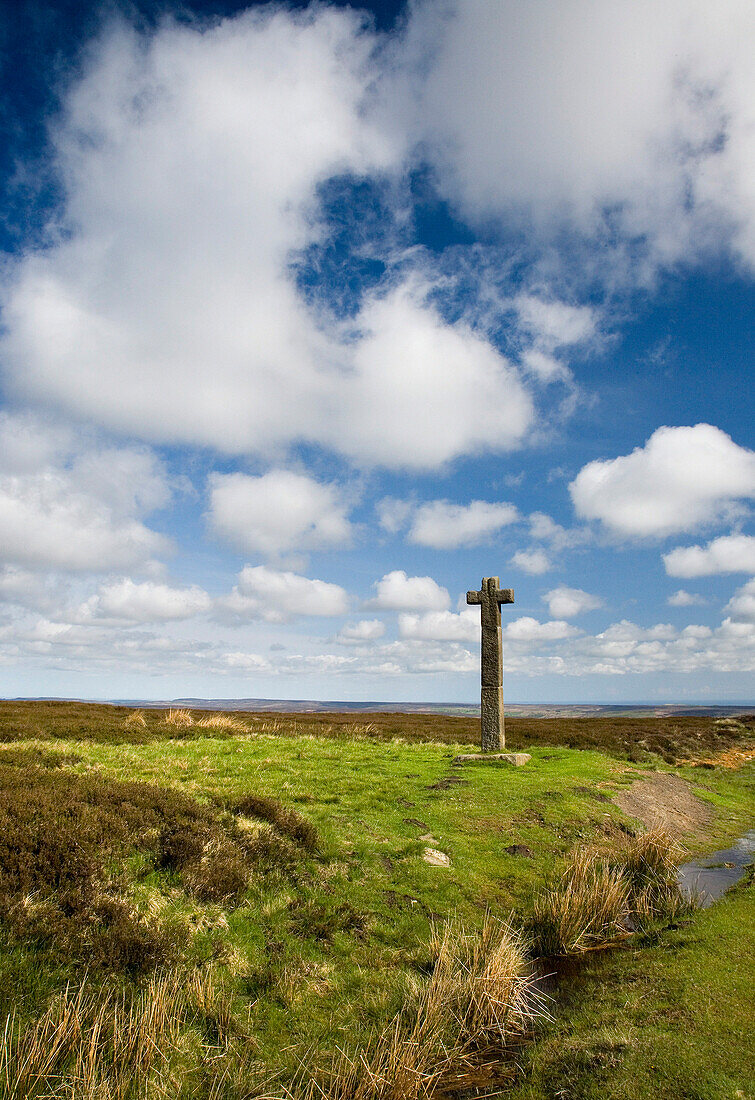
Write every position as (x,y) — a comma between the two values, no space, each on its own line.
(666,802)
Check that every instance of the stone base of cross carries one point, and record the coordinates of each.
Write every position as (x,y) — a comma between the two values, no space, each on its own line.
(490,597)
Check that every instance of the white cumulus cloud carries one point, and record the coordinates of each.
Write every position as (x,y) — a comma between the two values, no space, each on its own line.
(168,308)
(557,120)
(74,505)
(741,606)
(527,629)
(278,512)
(682,598)
(279,596)
(565,603)
(148,601)
(681,479)
(728,554)
(445,526)
(398,592)
(190,158)
(423,392)
(441,626)
(366,630)
(534,561)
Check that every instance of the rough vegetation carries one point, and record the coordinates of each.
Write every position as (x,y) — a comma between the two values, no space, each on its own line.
(608,893)
(173,926)
(65,844)
(637,739)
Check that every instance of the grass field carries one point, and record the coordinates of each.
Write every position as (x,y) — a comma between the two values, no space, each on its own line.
(669,1018)
(234,906)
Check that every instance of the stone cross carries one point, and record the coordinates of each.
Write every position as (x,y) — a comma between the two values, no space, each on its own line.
(490,597)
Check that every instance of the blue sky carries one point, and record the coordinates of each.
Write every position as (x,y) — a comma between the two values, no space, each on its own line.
(312,316)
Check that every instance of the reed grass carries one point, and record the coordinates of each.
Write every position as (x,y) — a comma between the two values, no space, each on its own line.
(480,991)
(222,722)
(181,719)
(605,895)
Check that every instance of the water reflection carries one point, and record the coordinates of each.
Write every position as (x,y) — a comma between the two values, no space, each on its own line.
(711,876)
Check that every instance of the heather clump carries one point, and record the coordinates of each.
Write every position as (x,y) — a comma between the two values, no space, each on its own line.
(67,844)
(286,821)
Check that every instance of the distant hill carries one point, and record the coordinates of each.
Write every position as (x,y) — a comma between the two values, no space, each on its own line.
(514,710)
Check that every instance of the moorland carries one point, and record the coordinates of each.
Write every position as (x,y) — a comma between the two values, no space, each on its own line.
(235,905)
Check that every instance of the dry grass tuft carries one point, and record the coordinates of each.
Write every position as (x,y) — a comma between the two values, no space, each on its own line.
(108,1042)
(587,907)
(480,990)
(92,1041)
(493,998)
(223,722)
(135,719)
(605,895)
(181,719)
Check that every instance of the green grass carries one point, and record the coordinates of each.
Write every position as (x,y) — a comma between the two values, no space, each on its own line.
(639,739)
(329,925)
(671,1020)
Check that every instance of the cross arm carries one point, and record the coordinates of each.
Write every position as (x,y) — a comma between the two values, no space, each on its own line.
(500,595)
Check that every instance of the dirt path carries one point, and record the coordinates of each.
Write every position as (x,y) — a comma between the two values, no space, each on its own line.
(665,801)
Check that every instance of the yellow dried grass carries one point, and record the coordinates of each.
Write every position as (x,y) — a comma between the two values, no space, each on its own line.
(136,718)
(605,895)
(182,719)
(223,722)
(90,1042)
(480,991)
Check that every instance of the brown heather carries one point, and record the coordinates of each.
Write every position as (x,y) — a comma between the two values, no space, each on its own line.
(65,839)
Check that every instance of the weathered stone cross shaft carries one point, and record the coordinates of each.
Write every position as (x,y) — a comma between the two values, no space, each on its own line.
(490,597)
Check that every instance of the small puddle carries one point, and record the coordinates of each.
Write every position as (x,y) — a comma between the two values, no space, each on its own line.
(711,876)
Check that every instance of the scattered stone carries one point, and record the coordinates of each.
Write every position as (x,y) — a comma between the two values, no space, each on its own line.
(516,759)
(436,858)
(520,850)
(428,838)
(449,781)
